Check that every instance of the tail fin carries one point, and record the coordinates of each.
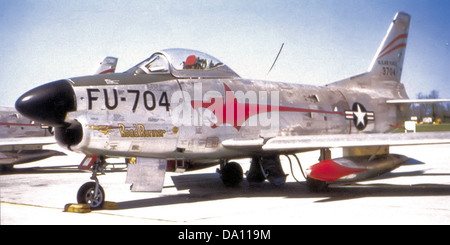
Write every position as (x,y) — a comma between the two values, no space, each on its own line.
(108,65)
(388,61)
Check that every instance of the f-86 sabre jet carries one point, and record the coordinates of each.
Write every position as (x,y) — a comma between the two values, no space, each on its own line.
(187,107)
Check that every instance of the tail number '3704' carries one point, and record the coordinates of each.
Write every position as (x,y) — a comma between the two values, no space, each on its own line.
(113,98)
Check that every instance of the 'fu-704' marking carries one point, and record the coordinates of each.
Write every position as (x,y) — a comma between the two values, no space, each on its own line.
(112,99)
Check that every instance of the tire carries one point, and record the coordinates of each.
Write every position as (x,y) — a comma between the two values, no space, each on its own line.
(232,174)
(85,195)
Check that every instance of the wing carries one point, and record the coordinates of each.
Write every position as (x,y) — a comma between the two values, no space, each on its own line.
(26,149)
(309,142)
(38,141)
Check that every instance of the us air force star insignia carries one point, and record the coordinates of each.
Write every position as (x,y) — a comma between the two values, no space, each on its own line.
(360,116)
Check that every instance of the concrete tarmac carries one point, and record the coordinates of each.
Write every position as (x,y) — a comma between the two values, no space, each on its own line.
(415,193)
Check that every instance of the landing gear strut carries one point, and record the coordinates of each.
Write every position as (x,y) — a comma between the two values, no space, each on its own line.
(92,193)
(267,167)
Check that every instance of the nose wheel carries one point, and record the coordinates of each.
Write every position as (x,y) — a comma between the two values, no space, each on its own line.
(92,193)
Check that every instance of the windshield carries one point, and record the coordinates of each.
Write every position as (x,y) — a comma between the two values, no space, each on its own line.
(157,63)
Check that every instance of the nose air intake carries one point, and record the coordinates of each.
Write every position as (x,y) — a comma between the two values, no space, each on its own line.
(49,103)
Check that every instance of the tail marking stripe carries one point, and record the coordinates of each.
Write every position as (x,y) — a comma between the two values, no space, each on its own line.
(385,52)
(392,49)
(393,41)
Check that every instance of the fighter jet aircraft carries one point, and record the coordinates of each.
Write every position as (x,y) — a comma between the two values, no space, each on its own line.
(186,107)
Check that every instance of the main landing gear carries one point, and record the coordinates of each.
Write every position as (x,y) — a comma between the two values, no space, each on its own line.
(267,167)
(261,168)
(92,193)
(231,173)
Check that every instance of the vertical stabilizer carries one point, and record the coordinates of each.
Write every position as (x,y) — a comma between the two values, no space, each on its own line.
(388,61)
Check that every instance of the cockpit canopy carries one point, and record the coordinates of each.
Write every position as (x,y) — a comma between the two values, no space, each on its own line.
(183,63)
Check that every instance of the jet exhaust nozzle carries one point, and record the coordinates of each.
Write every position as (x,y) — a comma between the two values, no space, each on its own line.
(49,103)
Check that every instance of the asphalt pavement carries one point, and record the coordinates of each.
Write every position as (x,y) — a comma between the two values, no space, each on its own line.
(415,193)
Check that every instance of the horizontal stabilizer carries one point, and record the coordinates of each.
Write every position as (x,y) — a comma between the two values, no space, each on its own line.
(417,101)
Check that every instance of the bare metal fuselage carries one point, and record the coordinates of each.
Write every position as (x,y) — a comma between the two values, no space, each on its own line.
(166,117)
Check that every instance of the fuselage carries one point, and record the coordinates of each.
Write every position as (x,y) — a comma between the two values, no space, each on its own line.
(172,118)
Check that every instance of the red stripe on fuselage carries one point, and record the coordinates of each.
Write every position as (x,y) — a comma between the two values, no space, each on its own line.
(230,106)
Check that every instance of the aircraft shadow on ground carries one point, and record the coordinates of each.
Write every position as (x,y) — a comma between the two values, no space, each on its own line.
(209,187)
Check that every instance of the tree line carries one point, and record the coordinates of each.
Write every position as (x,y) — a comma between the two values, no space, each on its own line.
(437,111)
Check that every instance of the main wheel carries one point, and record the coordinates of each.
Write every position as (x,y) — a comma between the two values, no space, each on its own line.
(86,195)
(232,174)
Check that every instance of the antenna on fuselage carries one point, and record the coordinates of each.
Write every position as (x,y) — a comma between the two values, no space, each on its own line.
(275,61)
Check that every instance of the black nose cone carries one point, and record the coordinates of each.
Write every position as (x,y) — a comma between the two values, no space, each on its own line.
(49,103)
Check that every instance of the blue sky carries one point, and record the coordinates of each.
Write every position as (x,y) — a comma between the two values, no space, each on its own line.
(325,40)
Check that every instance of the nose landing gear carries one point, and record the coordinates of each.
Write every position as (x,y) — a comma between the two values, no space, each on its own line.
(92,193)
